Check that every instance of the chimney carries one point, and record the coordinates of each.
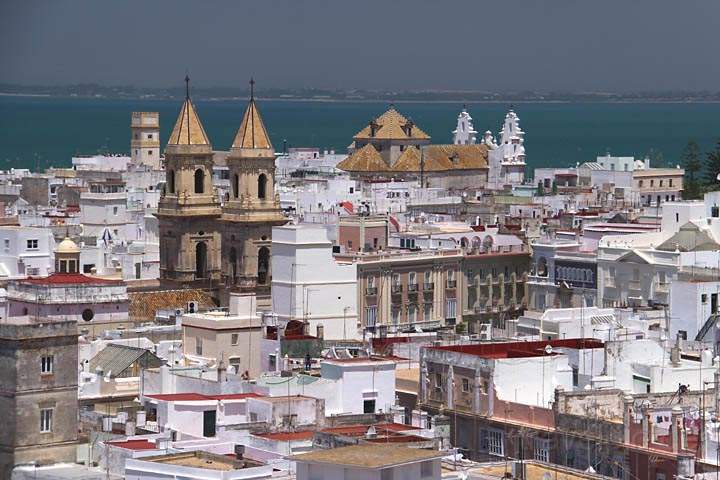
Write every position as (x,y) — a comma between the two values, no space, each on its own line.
(373,128)
(675,353)
(239,452)
(221,372)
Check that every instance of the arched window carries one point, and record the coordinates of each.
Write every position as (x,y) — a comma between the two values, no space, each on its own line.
(263,265)
(171,181)
(233,264)
(201,260)
(262,186)
(199,181)
(236,185)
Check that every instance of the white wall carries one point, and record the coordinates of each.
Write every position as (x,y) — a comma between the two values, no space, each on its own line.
(687,310)
(308,284)
(531,380)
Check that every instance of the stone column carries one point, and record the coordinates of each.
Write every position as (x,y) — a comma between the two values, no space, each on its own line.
(646,426)
(676,428)
(627,417)
(450,388)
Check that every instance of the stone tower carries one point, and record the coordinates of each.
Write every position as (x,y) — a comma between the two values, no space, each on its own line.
(252,208)
(145,141)
(188,210)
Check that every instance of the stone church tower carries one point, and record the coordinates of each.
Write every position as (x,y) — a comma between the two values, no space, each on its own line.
(188,211)
(253,208)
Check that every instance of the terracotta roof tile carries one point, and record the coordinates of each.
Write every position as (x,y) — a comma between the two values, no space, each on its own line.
(367,159)
(144,305)
(252,133)
(392,126)
(188,128)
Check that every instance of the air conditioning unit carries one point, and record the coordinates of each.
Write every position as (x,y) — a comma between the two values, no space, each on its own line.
(192,306)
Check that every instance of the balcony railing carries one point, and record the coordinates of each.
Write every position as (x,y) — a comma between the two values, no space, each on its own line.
(412,287)
(634,284)
(451,284)
(371,291)
(428,286)
(397,289)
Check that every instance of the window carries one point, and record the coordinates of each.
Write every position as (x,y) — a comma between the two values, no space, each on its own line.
(150,152)
(115,210)
(46,415)
(438,381)
(495,442)
(199,181)
(149,136)
(395,315)
(412,313)
(703,298)
(465,385)
(32,244)
(427,312)
(661,183)
(46,364)
(542,449)
(7,244)
(234,338)
(198,346)
(450,308)
(670,182)
(371,316)
(262,186)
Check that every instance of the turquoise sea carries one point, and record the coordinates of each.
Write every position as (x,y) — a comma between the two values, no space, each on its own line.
(48,131)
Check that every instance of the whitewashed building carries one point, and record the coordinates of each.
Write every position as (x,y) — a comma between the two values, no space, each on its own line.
(309,285)
(26,251)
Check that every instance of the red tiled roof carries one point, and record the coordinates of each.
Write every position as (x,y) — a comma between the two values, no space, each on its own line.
(235,396)
(520,349)
(179,397)
(134,445)
(287,436)
(70,279)
(380,428)
(198,397)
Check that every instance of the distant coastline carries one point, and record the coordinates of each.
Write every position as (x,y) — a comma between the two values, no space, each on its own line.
(223,94)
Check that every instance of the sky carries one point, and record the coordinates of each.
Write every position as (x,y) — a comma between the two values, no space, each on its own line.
(545,45)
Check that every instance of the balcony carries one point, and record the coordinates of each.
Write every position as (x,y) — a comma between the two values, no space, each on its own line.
(662,287)
(371,291)
(634,285)
(451,284)
(610,282)
(428,286)
(412,287)
(397,289)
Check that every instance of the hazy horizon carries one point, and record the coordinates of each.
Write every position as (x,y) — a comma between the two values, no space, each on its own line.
(547,46)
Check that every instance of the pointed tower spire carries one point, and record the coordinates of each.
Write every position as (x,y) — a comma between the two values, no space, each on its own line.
(252,133)
(188,129)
